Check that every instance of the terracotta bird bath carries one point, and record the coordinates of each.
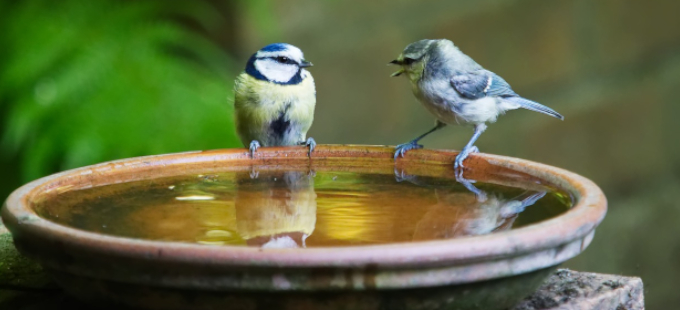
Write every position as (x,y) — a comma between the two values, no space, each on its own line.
(478,271)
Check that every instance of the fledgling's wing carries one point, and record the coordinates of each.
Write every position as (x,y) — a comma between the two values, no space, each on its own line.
(481,83)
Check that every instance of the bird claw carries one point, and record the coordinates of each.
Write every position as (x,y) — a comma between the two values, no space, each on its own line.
(481,195)
(399,175)
(254,145)
(311,144)
(458,163)
(401,149)
(458,172)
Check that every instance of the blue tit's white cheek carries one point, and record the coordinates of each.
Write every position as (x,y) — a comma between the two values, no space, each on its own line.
(275,71)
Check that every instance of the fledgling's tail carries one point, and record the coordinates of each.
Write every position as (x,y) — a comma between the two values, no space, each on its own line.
(534,106)
(515,207)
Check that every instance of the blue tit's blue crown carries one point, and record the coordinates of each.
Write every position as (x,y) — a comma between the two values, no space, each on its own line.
(270,53)
(275,47)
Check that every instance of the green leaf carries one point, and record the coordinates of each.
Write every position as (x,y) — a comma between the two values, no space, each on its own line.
(85,82)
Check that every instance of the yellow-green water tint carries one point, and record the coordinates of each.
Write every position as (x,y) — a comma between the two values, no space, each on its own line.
(298,209)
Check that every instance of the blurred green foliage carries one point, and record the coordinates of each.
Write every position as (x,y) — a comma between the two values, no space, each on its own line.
(90,81)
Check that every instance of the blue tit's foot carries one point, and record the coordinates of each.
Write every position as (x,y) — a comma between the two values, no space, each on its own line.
(311,144)
(254,145)
(458,163)
(401,149)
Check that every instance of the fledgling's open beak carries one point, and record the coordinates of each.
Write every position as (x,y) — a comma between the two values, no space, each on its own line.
(305,64)
(396,62)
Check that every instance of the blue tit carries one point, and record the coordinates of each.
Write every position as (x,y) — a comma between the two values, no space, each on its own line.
(275,99)
(457,90)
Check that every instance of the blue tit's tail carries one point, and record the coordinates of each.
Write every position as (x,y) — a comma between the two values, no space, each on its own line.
(534,106)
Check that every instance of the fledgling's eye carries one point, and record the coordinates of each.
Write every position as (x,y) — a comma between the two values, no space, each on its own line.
(282,59)
(408,61)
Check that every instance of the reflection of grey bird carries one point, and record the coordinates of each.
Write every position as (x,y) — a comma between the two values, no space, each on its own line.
(456,89)
(276,210)
(462,213)
(466,214)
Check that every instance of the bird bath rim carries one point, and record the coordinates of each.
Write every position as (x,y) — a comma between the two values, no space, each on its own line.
(400,265)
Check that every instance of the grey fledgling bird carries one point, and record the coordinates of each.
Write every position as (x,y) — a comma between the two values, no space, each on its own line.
(457,90)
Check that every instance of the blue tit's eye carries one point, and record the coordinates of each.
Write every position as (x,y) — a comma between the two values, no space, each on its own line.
(408,61)
(282,59)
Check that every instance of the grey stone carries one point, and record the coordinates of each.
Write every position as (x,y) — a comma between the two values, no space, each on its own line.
(567,290)
(17,271)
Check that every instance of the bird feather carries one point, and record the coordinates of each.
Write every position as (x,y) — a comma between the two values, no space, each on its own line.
(481,83)
(259,104)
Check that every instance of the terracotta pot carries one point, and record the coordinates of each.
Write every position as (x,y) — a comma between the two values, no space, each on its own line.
(479,272)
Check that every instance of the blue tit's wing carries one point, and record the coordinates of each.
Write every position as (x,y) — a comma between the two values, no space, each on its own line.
(481,83)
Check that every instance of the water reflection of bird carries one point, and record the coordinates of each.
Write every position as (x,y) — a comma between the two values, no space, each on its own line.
(276,210)
(457,90)
(275,99)
(465,214)
(468,213)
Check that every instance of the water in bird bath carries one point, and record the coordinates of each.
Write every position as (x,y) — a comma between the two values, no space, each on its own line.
(301,209)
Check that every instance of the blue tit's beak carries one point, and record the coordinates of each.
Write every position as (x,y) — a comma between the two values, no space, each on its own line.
(305,64)
(396,62)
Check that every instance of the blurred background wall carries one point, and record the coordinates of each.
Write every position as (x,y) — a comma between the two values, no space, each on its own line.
(87,81)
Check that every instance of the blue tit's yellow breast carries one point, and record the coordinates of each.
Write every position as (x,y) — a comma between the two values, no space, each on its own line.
(258,103)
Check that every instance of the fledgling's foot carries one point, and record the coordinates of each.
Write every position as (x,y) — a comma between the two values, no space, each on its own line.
(254,145)
(458,163)
(311,144)
(400,176)
(401,149)
(481,195)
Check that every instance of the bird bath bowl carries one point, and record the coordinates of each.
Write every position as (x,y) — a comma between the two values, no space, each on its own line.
(347,229)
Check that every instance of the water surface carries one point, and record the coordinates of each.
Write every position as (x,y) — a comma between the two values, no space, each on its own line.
(302,209)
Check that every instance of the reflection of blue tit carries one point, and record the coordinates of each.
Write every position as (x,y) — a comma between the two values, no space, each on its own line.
(275,99)
(457,90)
(278,210)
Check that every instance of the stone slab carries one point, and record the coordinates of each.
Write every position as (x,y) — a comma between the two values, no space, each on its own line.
(573,290)
(16,271)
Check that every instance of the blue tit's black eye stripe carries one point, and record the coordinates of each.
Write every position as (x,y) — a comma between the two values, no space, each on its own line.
(408,61)
(284,60)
